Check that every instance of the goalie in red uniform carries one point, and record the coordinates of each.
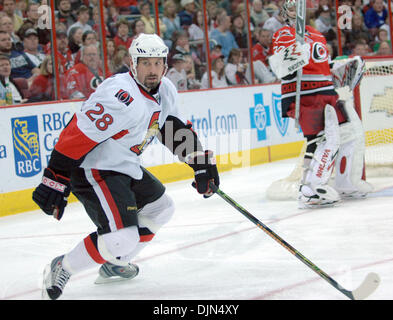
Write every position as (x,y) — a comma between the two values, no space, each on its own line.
(332,128)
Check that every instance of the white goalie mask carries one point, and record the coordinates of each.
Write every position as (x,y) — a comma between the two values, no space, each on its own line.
(147,46)
(289,15)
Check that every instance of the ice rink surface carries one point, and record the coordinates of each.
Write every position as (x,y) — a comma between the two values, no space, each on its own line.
(210,251)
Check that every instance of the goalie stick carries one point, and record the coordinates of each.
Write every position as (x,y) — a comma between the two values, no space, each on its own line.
(300,30)
(366,288)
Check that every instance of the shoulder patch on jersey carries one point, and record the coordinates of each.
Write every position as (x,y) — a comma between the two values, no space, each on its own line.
(124,97)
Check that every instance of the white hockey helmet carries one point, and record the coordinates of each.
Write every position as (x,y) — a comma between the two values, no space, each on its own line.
(289,17)
(147,46)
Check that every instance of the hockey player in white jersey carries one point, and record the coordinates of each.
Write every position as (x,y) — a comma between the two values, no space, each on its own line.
(97,157)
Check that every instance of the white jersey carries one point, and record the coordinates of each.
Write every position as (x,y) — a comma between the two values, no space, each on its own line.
(117,122)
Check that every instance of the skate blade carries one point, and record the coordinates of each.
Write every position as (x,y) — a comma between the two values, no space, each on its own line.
(317,206)
(353,196)
(46,273)
(102,280)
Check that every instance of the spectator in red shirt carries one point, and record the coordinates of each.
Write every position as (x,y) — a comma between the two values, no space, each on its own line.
(122,37)
(262,49)
(89,37)
(260,54)
(127,6)
(42,88)
(83,79)
(65,58)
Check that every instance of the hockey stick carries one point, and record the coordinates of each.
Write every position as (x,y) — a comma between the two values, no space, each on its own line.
(367,287)
(300,29)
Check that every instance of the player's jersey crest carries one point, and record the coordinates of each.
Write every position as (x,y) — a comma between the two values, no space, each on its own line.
(152,131)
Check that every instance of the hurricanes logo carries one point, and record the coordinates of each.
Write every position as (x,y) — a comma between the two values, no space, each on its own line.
(95,82)
(319,52)
(152,131)
(26,146)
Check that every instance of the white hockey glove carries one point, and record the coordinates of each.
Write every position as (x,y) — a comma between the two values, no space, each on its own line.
(290,59)
(348,72)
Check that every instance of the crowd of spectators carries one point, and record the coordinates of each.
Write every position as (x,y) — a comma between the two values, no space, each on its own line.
(26,66)
(367,34)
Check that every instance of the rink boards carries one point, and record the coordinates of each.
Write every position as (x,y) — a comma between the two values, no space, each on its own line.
(242,125)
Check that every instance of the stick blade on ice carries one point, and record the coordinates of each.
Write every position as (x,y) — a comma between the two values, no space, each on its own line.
(368,286)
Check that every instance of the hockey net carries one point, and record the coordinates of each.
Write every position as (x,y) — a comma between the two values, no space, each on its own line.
(373,100)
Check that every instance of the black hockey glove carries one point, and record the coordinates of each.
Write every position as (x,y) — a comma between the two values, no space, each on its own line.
(205,169)
(52,193)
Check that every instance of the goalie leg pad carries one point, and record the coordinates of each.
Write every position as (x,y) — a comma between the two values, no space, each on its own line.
(326,151)
(314,189)
(350,158)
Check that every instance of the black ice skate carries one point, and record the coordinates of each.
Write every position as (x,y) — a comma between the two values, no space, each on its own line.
(55,279)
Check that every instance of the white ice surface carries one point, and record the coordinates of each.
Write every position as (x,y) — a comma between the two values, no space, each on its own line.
(210,251)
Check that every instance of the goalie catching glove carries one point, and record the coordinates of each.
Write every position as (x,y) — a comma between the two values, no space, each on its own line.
(205,170)
(348,72)
(52,193)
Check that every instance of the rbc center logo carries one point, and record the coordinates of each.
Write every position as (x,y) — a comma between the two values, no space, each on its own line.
(26,146)
(260,116)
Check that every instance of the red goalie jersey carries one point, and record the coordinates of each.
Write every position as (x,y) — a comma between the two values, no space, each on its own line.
(317,86)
